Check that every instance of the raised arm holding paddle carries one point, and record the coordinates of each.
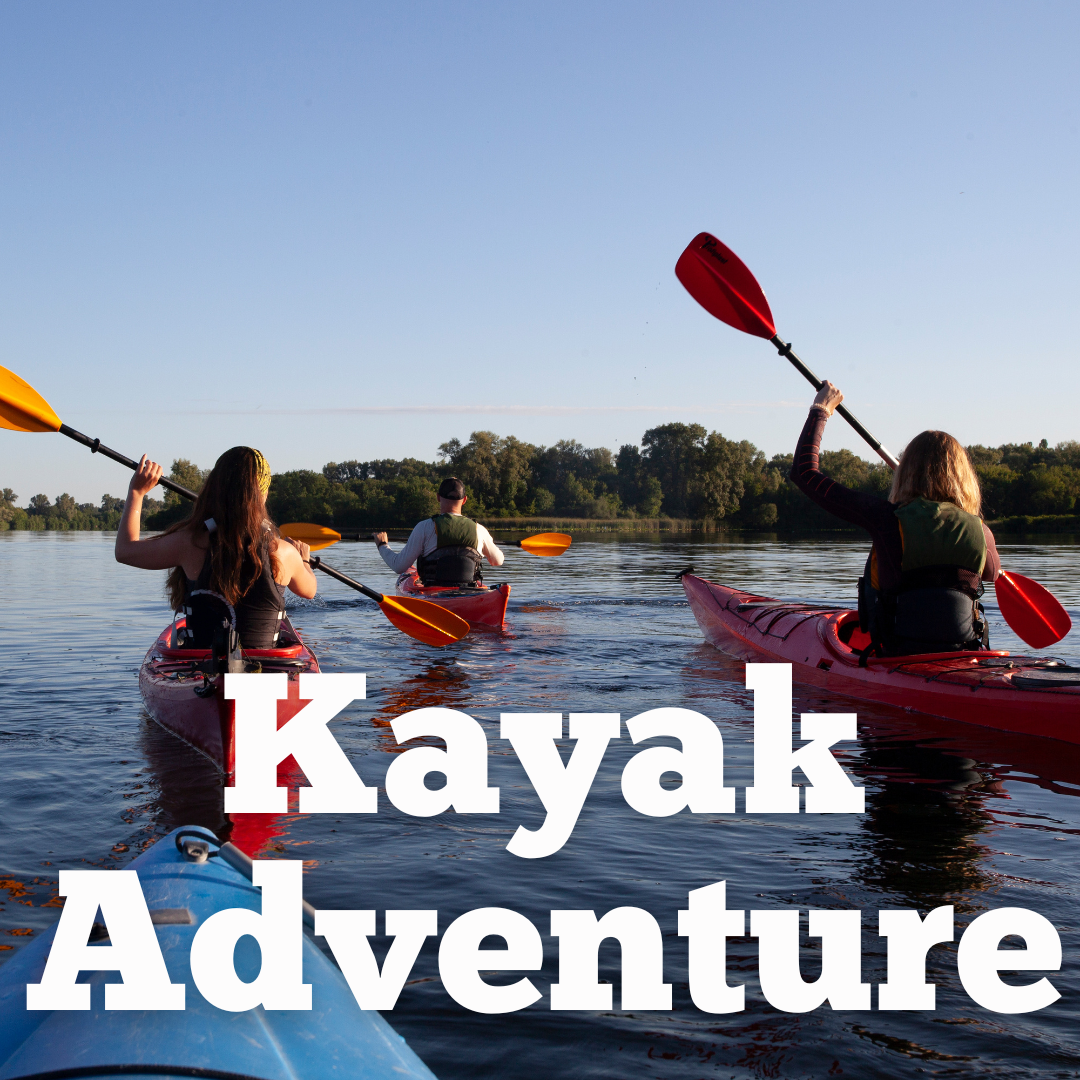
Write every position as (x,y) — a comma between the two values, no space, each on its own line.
(23,409)
(722,284)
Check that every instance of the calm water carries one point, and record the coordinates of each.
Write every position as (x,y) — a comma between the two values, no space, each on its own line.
(954,814)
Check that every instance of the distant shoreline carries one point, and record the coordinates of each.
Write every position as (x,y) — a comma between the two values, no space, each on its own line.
(1057,525)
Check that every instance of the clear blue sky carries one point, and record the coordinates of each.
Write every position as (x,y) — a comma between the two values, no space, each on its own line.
(348,230)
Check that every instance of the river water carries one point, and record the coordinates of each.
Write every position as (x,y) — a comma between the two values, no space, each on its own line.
(955,814)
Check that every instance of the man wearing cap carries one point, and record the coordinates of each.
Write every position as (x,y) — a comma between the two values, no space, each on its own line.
(448,548)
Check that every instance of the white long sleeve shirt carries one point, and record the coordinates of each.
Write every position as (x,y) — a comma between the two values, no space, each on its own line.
(424,539)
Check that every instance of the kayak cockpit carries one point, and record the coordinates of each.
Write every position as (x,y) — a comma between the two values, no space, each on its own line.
(842,636)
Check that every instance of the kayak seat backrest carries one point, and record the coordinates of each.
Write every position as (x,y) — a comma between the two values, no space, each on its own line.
(167,653)
(454,567)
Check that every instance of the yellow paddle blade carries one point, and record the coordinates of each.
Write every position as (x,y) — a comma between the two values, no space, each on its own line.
(22,408)
(423,620)
(546,543)
(316,537)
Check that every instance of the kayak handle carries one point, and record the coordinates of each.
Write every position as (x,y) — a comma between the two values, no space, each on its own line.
(194,843)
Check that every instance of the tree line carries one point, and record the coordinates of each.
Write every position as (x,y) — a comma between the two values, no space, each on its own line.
(678,471)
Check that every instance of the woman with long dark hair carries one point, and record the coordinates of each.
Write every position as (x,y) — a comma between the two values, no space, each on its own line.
(931,550)
(226,560)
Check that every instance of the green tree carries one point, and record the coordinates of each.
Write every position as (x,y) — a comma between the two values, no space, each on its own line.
(673,453)
(720,484)
(496,471)
(65,507)
(186,474)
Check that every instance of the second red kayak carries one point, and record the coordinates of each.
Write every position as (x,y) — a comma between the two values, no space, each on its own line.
(1032,695)
(481,605)
(184,698)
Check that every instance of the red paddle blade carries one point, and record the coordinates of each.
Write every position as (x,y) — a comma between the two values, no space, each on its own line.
(1032,611)
(722,284)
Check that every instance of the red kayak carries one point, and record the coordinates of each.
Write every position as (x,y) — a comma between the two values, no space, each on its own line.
(189,703)
(1032,695)
(480,605)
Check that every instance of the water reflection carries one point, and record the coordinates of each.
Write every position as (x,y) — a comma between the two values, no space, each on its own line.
(925,811)
(955,813)
(439,683)
(188,787)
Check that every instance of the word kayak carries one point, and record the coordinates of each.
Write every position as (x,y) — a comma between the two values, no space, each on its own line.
(479,605)
(185,878)
(186,696)
(1035,696)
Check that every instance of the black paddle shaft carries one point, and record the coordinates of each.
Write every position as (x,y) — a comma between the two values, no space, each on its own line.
(317,564)
(816,383)
(96,447)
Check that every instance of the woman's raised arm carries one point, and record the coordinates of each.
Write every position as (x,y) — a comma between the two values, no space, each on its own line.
(154,553)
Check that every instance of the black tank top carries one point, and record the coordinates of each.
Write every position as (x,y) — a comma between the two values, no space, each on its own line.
(258,613)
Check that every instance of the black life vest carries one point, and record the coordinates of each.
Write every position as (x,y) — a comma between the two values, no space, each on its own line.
(936,606)
(456,561)
(255,621)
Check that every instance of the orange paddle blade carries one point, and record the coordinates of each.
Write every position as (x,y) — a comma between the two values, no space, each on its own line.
(546,543)
(22,408)
(423,620)
(1032,611)
(316,537)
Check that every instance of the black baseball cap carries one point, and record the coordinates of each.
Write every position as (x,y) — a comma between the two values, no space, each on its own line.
(452,488)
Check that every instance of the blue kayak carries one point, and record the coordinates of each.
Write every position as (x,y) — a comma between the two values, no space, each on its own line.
(183,887)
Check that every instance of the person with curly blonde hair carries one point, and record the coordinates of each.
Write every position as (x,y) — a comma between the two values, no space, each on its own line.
(931,550)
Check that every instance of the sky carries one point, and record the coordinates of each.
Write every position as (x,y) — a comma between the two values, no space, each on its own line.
(358,230)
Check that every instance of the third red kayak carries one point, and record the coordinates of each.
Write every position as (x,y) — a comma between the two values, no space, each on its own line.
(481,605)
(1033,695)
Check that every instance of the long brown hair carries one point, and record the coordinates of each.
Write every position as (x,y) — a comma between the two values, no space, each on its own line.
(232,496)
(936,467)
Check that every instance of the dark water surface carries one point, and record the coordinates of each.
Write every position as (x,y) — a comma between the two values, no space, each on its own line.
(955,814)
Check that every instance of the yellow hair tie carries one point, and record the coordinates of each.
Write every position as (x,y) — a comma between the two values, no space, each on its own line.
(263,471)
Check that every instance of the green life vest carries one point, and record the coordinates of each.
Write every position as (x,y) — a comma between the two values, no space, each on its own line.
(940,534)
(935,608)
(456,561)
(453,530)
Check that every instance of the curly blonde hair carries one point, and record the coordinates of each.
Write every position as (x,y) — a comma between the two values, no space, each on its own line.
(936,467)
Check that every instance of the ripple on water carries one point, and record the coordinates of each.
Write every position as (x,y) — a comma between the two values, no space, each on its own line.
(955,814)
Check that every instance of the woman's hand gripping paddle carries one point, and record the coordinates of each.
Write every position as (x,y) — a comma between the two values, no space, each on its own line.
(22,408)
(724,286)
(319,536)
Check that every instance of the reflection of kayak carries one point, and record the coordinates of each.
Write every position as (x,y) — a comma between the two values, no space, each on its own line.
(184,699)
(482,605)
(335,1039)
(1019,693)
